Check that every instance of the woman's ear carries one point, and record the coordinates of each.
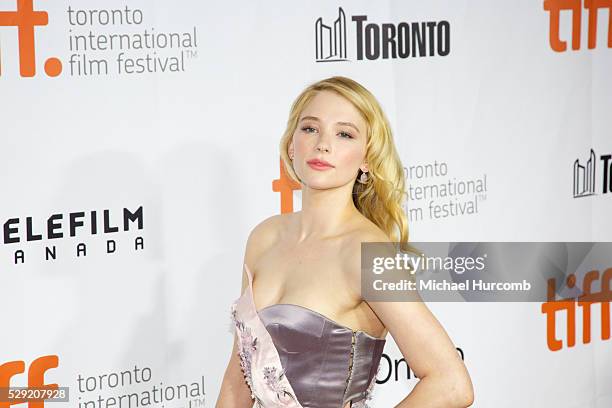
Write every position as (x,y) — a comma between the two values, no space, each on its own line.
(364,167)
(291,151)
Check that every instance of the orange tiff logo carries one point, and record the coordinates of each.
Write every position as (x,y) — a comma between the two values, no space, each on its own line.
(552,306)
(25,19)
(554,7)
(36,377)
(285,186)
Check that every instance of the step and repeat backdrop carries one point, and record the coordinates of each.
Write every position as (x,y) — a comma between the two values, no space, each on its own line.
(139,147)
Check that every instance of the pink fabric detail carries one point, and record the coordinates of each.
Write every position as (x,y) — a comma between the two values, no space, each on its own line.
(259,358)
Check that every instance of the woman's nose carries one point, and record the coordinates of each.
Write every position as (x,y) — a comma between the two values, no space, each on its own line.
(323,142)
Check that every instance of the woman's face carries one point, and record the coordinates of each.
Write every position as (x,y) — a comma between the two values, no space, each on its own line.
(331,129)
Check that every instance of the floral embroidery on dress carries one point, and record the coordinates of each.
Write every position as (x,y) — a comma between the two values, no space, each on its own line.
(273,381)
(247,347)
(368,393)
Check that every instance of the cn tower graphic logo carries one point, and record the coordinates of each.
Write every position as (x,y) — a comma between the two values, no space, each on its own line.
(331,41)
(584,177)
(25,19)
(585,180)
(375,41)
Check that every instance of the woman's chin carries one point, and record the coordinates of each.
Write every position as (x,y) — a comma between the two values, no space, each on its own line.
(317,184)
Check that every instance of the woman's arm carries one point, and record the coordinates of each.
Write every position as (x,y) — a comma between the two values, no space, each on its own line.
(426,347)
(235,392)
(430,353)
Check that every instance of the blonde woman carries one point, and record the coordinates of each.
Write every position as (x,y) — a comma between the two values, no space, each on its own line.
(304,335)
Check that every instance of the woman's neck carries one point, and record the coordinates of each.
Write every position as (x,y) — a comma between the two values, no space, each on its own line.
(324,213)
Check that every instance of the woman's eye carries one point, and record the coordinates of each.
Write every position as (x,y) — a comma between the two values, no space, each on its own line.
(344,135)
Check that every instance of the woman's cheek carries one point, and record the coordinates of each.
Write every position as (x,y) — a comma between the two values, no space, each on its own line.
(353,158)
(300,143)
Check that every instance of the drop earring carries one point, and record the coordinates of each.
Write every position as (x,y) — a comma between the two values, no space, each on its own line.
(363,179)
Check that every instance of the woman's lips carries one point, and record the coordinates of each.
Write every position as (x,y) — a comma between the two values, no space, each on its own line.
(318,165)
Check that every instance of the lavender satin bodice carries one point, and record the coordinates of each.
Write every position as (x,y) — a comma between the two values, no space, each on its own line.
(295,357)
(317,353)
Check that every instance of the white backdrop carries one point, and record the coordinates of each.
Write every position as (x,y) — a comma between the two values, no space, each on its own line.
(197,149)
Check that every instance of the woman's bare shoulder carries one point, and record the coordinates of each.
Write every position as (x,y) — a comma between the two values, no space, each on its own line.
(265,234)
(365,231)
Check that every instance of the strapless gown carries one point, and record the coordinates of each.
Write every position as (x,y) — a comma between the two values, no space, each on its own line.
(292,356)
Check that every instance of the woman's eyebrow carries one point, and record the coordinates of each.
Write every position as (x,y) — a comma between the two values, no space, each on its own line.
(338,123)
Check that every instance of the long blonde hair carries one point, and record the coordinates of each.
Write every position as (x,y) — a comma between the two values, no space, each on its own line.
(380,200)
